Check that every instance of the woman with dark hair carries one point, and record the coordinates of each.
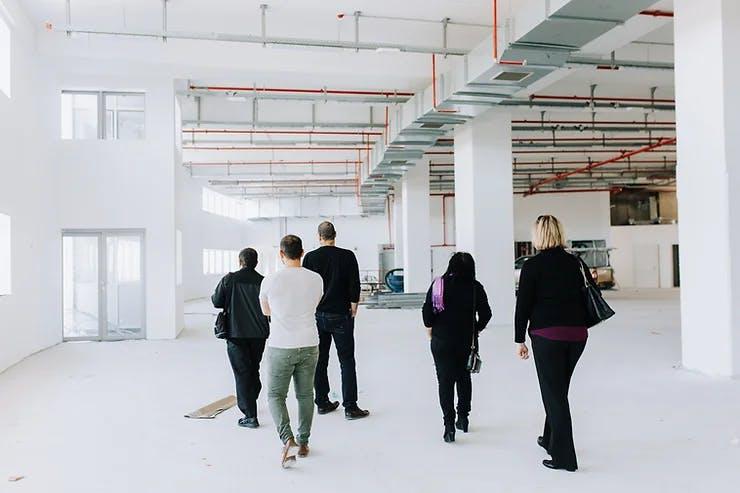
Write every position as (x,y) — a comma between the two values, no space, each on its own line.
(455,311)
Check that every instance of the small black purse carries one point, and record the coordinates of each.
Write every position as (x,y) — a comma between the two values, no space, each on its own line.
(221,328)
(597,309)
(474,363)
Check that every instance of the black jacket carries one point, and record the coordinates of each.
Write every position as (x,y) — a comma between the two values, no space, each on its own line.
(341,274)
(550,292)
(245,313)
(456,322)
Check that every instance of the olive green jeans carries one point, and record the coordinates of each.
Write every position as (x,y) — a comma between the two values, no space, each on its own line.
(298,364)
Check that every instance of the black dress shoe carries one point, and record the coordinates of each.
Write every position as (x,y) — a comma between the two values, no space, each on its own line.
(328,407)
(462,424)
(355,413)
(449,436)
(552,465)
(249,423)
(541,443)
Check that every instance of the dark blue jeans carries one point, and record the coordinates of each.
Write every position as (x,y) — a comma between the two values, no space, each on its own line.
(340,328)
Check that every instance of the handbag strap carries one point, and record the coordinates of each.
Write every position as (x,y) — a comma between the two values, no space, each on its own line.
(583,271)
(475,317)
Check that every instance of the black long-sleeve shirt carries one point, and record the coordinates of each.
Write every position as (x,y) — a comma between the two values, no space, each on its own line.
(550,293)
(460,317)
(341,274)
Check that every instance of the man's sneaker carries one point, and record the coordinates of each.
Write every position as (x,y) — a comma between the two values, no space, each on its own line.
(328,407)
(249,423)
(355,413)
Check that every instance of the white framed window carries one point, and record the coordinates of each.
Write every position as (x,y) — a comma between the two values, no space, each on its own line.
(5,46)
(223,205)
(97,115)
(5,264)
(219,262)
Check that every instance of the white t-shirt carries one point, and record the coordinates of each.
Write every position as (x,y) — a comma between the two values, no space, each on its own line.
(293,294)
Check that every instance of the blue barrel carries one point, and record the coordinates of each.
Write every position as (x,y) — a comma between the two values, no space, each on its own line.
(394,280)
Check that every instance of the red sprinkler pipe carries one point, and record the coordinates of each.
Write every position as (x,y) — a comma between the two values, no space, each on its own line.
(301,91)
(657,13)
(575,190)
(587,122)
(434,87)
(495,30)
(621,157)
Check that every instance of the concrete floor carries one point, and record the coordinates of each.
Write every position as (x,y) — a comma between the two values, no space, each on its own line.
(94,417)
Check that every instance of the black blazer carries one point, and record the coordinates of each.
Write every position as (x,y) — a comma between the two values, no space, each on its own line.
(458,320)
(550,292)
(245,313)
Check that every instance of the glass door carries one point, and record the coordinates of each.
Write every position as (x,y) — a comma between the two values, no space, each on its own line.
(81,285)
(103,276)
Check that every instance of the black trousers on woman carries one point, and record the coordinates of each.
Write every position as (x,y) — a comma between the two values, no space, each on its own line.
(555,362)
(450,360)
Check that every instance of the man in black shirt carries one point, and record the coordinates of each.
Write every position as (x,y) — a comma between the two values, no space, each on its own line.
(238,292)
(335,318)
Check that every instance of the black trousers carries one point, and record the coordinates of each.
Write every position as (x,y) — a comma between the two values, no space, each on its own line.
(555,362)
(450,361)
(340,329)
(245,356)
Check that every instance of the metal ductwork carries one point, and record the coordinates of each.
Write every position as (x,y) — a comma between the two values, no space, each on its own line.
(480,81)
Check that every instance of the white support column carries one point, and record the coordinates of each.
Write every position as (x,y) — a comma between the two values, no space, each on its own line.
(417,251)
(707,34)
(484,206)
(398,225)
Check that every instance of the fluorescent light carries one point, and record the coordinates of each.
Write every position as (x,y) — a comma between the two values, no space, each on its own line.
(387,49)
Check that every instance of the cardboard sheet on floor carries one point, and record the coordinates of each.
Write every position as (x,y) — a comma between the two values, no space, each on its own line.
(213,409)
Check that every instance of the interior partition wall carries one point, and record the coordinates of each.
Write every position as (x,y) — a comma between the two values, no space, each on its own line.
(103,285)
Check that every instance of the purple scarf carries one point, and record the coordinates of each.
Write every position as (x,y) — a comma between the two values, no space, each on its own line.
(438,294)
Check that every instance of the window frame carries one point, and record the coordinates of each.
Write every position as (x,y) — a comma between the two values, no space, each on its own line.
(102,113)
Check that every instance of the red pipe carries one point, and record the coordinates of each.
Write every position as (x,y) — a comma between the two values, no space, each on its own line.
(495,30)
(434,87)
(562,176)
(574,151)
(279,132)
(575,190)
(603,98)
(302,91)
(582,139)
(588,122)
(657,13)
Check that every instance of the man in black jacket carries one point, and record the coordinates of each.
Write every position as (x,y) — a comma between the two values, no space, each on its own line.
(248,330)
(335,318)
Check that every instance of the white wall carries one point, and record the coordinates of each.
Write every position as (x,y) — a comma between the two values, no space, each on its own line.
(30,318)
(120,184)
(586,216)
(629,241)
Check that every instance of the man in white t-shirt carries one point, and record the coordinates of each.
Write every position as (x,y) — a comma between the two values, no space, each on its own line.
(290,297)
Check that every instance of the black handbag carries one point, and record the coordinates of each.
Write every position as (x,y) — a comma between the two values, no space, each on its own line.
(221,328)
(597,309)
(474,363)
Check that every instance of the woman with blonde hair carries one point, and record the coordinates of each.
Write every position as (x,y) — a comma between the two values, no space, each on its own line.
(551,305)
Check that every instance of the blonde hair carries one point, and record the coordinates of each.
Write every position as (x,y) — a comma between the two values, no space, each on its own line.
(548,233)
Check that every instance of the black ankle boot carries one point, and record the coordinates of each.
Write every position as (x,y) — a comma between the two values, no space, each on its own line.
(449,436)
(462,424)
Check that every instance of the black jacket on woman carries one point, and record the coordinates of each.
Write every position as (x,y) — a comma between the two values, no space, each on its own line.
(550,292)
(458,320)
